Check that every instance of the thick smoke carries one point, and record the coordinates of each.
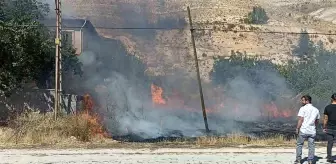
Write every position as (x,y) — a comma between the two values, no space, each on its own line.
(67,11)
(122,93)
(252,95)
(128,109)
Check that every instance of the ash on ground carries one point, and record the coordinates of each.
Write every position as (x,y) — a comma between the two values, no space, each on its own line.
(258,129)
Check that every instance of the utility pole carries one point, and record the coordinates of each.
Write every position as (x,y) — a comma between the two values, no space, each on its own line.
(57,58)
(198,72)
(60,56)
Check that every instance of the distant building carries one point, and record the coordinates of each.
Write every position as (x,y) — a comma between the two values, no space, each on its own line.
(74,30)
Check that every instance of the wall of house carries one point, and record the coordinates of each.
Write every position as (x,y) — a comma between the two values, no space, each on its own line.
(77,41)
(76,37)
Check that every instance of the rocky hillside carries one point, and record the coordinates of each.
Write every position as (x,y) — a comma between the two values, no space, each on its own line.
(223,29)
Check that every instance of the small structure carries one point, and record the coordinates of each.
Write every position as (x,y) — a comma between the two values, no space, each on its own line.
(73,30)
(78,32)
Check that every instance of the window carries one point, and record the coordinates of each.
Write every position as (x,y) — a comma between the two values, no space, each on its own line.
(67,36)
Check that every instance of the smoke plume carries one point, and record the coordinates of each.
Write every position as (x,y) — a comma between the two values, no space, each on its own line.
(67,11)
(127,107)
(124,100)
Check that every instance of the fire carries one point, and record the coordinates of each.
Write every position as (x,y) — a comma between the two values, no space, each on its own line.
(272,110)
(157,95)
(93,119)
(175,101)
(87,103)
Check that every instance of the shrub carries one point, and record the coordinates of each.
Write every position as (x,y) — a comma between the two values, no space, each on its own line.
(257,16)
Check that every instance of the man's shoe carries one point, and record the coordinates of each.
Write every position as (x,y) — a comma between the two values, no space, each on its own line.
(297,161)
(330,161)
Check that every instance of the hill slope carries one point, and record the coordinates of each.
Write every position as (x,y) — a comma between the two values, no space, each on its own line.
(167,50)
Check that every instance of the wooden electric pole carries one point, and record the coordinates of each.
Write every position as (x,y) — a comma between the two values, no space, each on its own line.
(57,58)
(198,72)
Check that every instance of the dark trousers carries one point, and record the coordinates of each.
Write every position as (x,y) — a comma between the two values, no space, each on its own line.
(331,137)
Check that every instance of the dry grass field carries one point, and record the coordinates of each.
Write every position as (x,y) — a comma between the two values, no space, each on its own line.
(36,130)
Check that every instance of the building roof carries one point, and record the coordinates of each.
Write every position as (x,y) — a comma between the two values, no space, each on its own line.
(72,24)
(67,23)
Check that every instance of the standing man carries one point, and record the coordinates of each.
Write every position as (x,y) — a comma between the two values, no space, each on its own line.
(329,125)
(308,118)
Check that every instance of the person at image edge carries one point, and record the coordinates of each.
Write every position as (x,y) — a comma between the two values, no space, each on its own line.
(329,125)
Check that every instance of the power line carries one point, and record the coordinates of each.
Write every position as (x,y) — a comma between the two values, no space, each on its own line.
(151,28)
(272,32)
(196,29)
(109,28)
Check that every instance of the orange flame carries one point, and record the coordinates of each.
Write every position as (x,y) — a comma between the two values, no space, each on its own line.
(273,111)
(88,103)
(157,95)
(175,101)
(92,118)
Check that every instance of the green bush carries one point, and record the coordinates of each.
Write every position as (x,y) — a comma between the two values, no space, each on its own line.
(257,16)
(314,72)
(254,71)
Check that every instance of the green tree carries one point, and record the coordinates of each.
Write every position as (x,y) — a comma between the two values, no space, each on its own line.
(313,75)
(257,16)
(255,71)
(27,47)
(238,64)
(305,47)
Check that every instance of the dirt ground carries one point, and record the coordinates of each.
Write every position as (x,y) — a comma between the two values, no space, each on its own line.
(157,156)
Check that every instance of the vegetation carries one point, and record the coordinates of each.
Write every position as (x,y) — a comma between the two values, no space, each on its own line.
(313,72)
(237,139)
(36,129)
(258,73)
(305,47)
(27,47)
(257,16)
(27,54)
(239,64)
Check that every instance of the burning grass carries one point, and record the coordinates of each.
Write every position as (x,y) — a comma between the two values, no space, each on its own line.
(84,131)
(39,129)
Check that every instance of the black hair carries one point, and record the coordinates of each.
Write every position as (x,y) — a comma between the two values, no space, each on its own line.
(333,97)
(308,98)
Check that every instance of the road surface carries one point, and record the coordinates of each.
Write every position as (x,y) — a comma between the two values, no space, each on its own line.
(158,156)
